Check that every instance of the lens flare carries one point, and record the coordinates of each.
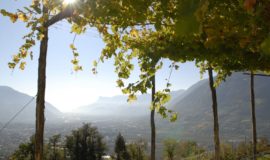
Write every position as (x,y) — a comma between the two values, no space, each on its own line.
(69,1)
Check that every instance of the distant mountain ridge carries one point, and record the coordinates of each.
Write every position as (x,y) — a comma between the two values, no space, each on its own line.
(113,114)
(194,106)
(11,101)
(118,105)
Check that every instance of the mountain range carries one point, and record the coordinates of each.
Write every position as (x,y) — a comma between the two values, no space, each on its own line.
(118,106)
(193,106)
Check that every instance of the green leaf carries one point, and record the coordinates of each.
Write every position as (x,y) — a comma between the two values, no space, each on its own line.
(75,61)
(166,98)
(3,12)
(11,65)
(72,46)
(187,22)
(77,68)
(265,46)
(167,90)
(187,25)
(78,29)
(173,117)
(168,85)
(120,83)
(132,98)
(95,63)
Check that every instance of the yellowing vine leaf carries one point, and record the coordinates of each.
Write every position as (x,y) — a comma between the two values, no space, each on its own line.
(22,65)
(16,59)
(13,18)
(173,117)
(72,47)
(77,68)
(22,17)
(132,98)
(40,36)
(134,33)
(95,63)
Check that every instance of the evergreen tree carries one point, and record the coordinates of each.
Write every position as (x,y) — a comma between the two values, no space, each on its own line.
(120,148)
(85,143)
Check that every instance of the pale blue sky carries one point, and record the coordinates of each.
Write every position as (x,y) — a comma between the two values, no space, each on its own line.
(65,89)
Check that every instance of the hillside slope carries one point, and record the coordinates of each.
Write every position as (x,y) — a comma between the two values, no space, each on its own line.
(195,110)
(11,101)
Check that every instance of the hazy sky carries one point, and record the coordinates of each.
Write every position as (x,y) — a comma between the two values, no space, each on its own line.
(66,89)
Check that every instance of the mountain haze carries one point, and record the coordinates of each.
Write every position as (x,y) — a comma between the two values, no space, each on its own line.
(11,101)
(118,105)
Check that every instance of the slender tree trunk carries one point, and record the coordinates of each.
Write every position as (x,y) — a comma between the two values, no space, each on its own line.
(215,114)
(152,121)
(40,103)
(253,113)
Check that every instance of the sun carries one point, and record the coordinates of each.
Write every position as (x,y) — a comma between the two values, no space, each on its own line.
(69,1)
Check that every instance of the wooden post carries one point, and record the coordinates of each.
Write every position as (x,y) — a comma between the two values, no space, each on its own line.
(152,121)
(215,114)
(253,114)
